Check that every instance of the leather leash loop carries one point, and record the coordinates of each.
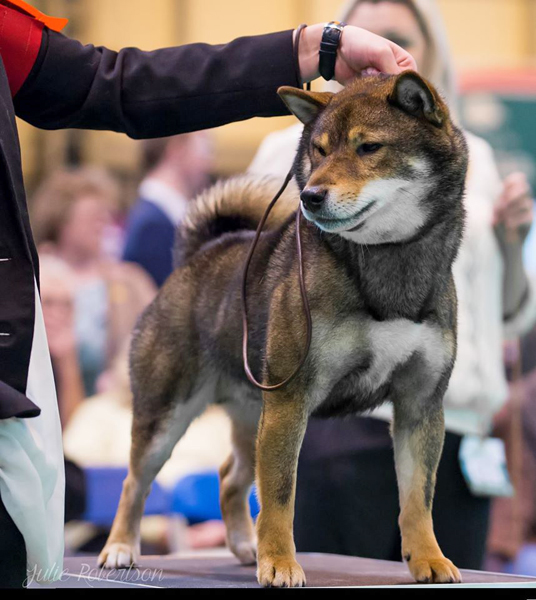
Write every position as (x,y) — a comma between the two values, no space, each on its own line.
(303,289)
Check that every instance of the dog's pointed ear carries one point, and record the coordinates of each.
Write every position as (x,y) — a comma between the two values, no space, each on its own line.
(304,105)
(414,96)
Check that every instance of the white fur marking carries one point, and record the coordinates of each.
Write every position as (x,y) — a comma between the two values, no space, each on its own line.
(393,342)
(405,466)
(397,215)
(334,349)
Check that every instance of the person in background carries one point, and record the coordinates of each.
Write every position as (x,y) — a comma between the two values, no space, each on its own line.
(346,474)
(57,298)
(70,213)
(512,537)
(176,168)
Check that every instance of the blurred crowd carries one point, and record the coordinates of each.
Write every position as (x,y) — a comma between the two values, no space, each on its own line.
(99,269)
(102,264)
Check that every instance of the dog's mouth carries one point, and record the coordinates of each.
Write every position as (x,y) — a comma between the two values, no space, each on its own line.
(348,224)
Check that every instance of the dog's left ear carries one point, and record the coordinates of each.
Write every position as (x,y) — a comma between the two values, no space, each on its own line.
(413,95)
(304,105)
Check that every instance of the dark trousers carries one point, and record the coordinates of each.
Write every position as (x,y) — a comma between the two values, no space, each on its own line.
(12,552)
(348,504)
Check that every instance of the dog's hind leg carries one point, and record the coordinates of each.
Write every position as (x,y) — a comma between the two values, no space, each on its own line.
(236,477)
(418,441)
(152,444)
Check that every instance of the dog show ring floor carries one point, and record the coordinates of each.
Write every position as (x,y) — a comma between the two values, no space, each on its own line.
(221,570)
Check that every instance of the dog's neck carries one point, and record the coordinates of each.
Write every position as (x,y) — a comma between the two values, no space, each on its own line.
(400,280)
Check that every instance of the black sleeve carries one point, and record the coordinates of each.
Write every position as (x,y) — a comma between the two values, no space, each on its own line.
(13,404)
(159,93)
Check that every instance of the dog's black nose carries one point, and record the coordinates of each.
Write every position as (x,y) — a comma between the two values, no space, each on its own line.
(313,198)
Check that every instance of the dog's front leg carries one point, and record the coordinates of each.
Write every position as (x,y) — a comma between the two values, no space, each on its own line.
(418,441)
(279,440)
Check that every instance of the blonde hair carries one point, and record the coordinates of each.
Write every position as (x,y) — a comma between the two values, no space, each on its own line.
(51,204)
(438,67)
(54,269)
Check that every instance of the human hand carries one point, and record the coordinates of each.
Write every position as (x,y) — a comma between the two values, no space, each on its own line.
(515,208)
(359,50)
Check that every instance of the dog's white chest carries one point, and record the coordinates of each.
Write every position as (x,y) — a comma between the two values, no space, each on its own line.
(383,345)
(392,343)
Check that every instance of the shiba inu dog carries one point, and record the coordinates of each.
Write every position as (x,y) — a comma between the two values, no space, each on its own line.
(381,170)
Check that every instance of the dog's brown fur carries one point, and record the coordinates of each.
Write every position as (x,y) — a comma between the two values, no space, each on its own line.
(383,304)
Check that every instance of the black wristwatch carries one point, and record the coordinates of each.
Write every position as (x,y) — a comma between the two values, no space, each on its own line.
(331,39)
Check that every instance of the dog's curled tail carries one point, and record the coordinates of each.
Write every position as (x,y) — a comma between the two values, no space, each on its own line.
(235,204)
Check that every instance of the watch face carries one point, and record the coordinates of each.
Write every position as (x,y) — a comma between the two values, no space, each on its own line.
(335,25)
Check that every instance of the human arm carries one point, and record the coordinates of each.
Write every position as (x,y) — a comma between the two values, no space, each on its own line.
(65,361)
(512,219)
(159,93)
(175,90)
(69,383)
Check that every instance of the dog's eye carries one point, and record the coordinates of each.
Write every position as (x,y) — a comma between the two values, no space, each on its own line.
(320,150)
(368,149)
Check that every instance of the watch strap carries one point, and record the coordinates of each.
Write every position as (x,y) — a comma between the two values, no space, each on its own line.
(329,46)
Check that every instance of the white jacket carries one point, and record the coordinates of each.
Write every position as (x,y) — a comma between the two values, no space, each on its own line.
(32,479)
(478,387)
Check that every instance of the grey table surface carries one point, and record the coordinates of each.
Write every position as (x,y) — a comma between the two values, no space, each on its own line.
(221,570)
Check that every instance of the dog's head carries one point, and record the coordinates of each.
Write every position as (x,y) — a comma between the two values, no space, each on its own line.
(373,157)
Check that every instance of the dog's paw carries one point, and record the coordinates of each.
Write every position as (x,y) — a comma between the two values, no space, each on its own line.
(245,551)
(435,570)
(280,572)
(117,556)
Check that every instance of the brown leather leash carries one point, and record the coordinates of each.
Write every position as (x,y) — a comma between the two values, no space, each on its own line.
(301,274)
